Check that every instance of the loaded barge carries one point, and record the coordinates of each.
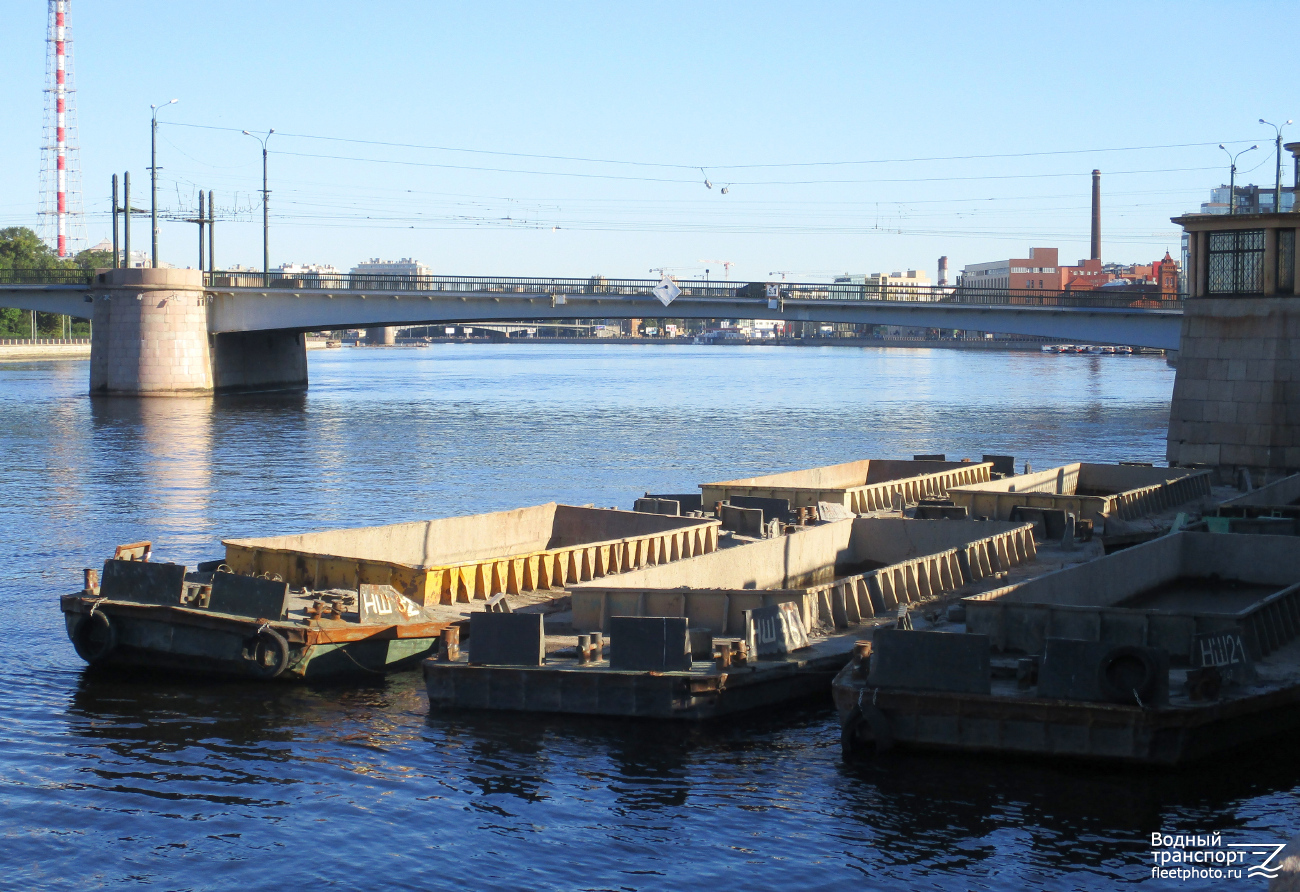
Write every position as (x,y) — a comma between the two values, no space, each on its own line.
(1160,654)
(357,601)
(745,627)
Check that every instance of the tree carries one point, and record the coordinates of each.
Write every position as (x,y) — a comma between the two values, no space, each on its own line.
(21,248)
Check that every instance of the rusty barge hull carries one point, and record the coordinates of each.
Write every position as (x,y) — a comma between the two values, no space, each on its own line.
(201,642)
(1023,726)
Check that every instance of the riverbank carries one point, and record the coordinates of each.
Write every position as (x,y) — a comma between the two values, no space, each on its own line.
(946,344)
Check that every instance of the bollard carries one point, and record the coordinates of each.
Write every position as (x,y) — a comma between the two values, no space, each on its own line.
(90,580)
(584,649)
(722,658)
(739,653)
(1067,538)
(597,646)
(449,646)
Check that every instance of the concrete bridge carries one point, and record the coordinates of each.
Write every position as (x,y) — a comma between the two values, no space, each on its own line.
(167,331)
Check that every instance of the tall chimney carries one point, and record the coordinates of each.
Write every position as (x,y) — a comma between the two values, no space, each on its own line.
(943,270)
(1096,215)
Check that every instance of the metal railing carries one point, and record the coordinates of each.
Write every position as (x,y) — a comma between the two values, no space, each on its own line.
(597,287)
(79,277)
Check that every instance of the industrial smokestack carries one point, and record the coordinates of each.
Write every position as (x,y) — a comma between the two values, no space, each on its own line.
(943,270)
(1096,215)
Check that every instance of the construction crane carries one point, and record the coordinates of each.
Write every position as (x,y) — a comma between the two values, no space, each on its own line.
(726,267)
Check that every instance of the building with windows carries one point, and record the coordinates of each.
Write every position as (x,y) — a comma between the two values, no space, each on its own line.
(897,284)
(1040,270)
(1250,200)
(404,267)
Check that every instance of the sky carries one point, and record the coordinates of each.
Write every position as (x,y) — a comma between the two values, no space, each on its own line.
(576,139)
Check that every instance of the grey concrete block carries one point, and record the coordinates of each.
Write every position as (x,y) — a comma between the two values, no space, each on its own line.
(1068,670)
(745,521)
(649,644)
(507,639)
(930,661)
(142,582)
(248,596)
(775,630)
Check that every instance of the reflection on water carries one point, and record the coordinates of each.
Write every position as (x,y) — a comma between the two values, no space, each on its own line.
(113,780)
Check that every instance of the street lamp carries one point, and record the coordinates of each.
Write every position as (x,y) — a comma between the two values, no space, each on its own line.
(266,198)
(1277,183)
(1232,177)
(153,175)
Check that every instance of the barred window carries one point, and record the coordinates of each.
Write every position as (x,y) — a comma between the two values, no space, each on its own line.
(1236,262)
(1286,261)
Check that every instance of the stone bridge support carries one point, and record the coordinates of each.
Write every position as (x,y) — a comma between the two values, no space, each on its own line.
(1236,401)
(151,336)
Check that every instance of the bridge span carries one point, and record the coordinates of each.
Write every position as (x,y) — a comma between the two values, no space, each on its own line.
(157,330)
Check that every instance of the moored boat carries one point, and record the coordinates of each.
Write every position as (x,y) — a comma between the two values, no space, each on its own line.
(1160,654)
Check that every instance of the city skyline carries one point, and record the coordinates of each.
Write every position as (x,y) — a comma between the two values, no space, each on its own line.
(676,91)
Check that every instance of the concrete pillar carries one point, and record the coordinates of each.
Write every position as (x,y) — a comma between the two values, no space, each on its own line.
(1202,262)
(386,336)
(1236,400)
(149,333)
(149,337)
(1270,262)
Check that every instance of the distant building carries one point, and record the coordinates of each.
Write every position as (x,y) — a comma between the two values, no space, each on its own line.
(897,282)
(308,275)
(1039,270)
(404,267)
(1250,200)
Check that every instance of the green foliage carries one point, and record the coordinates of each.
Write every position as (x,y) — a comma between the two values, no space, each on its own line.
(21,248)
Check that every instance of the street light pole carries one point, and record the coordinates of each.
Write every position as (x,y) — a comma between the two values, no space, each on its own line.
(153,174)
(1232,177)
(266,219)
(1277,183)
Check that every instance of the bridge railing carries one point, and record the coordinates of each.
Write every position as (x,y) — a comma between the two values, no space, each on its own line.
(79,277)
(597,286)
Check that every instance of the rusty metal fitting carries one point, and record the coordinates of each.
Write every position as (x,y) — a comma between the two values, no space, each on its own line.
(90,581)
(584,649)
(449,644)
(861,650)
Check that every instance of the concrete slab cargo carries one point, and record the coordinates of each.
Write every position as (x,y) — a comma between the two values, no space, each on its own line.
(461,559)
(1091,492)
(860,486)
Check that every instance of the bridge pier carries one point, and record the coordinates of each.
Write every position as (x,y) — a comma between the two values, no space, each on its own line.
(386,335)
(151,337)
(1236,400)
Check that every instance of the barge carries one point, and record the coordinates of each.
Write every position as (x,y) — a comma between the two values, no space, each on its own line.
(357,601)
(858,486)
(738,629)
(1161,654)
(1120,502)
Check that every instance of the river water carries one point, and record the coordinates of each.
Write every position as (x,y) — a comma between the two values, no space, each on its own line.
(169,784)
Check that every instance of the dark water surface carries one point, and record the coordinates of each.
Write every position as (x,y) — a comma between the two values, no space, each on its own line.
(111,782)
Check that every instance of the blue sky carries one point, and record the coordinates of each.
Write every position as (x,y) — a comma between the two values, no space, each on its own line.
(805,89)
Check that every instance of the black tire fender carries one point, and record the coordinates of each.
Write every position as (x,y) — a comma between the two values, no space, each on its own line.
(1141,684)
(270,653)
(94,637)
(865,715)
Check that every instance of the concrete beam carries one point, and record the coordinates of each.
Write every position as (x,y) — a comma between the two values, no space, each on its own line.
(66,300)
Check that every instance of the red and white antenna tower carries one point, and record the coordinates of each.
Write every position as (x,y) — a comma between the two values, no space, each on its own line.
(63,222)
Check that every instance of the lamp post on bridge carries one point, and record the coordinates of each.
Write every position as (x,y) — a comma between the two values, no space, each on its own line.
(1277,182)
(153,173)
(266,200)
(1232,177)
